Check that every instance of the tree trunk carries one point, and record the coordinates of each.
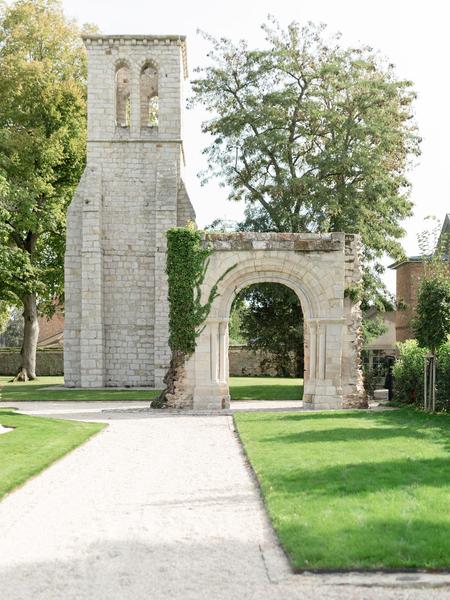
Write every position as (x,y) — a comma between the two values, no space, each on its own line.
(27,369)
(173,377)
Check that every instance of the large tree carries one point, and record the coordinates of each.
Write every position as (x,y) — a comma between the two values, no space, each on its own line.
(42,154)
(313,137)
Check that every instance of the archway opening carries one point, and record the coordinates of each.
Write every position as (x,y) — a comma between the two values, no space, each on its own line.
(266,355)
(123,100)
(149,96)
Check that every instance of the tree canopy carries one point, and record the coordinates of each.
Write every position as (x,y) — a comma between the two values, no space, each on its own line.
(312,136)
(42,151)
(431,323)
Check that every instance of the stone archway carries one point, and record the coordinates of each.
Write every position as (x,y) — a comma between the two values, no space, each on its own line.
(321,269)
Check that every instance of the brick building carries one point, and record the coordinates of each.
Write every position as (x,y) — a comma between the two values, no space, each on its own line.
(408,275)
(398,323)
(51,331)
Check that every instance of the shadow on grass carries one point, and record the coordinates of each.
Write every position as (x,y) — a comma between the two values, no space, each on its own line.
(344,503)
(364,477)
(345,434)
(333,415)
(409,544)
(385,424)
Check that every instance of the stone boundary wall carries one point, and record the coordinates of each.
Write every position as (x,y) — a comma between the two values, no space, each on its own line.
(48,362)
(243,361)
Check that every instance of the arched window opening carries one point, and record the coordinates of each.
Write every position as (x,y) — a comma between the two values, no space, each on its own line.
(149,96)
(123,101)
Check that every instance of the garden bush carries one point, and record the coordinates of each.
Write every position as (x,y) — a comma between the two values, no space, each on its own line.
(443,378)
(408,375)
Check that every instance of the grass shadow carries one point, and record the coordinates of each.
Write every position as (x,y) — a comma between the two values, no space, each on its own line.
(363,477)
(411,544)
(344,434)
(355,489)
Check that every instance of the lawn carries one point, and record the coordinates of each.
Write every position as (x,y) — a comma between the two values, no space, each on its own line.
(355,489)
(36,443)
(41,389)
(242,388)
(266,388)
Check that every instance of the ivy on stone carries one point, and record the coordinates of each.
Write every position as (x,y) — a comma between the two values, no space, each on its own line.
(187,263)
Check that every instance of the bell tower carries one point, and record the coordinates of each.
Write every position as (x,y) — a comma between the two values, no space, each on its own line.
(132,191)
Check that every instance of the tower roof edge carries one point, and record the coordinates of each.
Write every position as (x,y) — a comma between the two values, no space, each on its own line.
(97,39)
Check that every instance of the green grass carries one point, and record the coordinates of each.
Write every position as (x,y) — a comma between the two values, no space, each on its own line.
(242,388)
(38,390)
(355,489)
(266,388)
(35,444)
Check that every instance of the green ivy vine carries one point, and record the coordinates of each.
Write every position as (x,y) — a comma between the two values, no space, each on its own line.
(187,263)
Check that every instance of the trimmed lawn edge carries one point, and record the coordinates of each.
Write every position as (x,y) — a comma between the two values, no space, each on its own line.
(296,570)
(53,462)
(49,463)
(262,498)
(4,402)
(371,571)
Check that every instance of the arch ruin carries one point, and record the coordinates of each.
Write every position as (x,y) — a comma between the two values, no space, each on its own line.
(320,268)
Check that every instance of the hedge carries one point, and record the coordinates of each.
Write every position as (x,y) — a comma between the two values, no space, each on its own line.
(408,375)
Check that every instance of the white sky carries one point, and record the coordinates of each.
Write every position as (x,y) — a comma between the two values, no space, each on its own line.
(413,35)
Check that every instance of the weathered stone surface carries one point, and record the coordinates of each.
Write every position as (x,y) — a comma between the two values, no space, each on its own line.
(244,361)
(132,191)
(305,242)
(319,274)
(48,362)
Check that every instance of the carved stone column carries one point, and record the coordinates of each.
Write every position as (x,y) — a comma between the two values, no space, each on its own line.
(323,388)
(211,367)
(223,352)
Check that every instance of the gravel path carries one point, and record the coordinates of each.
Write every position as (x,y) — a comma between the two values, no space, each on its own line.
(161,509)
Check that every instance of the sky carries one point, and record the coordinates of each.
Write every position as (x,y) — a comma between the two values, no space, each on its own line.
(412,35)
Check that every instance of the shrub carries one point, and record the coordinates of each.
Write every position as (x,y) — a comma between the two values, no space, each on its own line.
(432,322)
(408,375)
(443,378)
(370,377)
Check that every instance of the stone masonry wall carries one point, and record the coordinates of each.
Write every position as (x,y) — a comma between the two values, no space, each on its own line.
(48,362)
(352,376)
(132,191)
(244,361)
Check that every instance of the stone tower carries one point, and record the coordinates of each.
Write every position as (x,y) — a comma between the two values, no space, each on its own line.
(132,191)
